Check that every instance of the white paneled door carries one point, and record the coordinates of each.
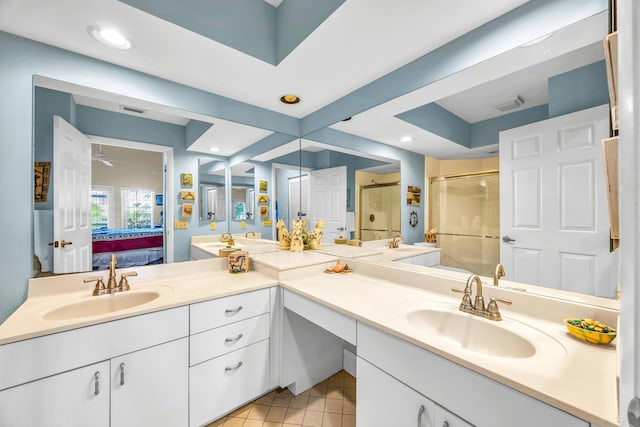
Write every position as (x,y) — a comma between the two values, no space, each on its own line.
(328,190)
(72,193)
(554,222)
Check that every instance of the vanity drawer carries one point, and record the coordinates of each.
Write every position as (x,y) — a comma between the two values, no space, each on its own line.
(222,311)
(220,385)
(216,342)
(337,323)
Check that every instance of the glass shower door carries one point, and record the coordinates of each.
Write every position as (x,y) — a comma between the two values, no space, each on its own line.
(465,211)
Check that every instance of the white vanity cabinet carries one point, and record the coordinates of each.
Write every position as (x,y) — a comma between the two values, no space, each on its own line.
(229,354)
(51,380)
(417,373)
(151,386)
(77,398)
(383,401)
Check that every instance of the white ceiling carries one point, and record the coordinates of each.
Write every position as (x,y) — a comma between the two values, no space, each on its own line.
(362,41)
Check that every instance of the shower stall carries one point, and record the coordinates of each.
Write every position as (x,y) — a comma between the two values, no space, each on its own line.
(379,211)
(465,211)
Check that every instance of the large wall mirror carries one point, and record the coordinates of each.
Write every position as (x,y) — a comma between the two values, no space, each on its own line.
(525,71)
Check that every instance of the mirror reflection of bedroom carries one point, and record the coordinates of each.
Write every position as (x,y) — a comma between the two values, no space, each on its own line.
(126,212)
(126,209)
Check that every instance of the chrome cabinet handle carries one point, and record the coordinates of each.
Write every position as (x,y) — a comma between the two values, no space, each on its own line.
(233,368)
(508,239)
(122,373)
(96,382)
(445,424)
(233,310)
(420,412)
(235,339)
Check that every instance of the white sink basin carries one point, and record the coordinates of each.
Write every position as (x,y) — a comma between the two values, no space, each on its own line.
(102,304)
(472,332)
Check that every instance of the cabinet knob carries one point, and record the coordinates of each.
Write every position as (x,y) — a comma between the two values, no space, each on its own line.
(96,382)
(122,373)
(445,424)
(420,412)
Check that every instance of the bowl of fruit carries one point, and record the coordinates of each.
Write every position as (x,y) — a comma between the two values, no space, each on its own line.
(590,330)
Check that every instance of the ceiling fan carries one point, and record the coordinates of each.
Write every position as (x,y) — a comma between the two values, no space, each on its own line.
(102,158)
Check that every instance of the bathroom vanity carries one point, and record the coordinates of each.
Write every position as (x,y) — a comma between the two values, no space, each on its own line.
(209,341)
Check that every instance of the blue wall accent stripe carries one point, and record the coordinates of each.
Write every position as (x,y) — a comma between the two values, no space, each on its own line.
(245,25)
(527,22)
(578,89)
(439,121)
(487,132)
(253,27)
(267,143)
(93,121)
(194,130)
(296,19)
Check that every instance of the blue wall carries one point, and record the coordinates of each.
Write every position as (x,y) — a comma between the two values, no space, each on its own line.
(582,88)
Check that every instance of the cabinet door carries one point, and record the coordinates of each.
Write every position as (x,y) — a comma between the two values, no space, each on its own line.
(383,401)
(150,387)
(76,398)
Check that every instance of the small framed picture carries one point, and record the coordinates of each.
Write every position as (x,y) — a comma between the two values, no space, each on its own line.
(159,200)
(263,186)
(187,210)
(413,195)
(264,210)
(187,196)
(263,198)
(186,180)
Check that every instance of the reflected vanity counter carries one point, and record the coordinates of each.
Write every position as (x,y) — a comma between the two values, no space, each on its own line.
(204,247)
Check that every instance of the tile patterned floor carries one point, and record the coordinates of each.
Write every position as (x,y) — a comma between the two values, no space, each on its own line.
(332,403)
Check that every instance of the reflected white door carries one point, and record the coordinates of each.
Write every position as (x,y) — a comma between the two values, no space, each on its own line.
(298,199)
(554,221)
(328,191)
(72,193)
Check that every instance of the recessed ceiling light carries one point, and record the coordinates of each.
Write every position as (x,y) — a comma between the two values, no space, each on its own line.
(214,149)
(406,139)
(110,37)
(289,99)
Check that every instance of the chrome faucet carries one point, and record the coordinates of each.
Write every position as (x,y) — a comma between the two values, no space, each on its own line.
(498,274)
(395,241)
(491,312)
(112,283)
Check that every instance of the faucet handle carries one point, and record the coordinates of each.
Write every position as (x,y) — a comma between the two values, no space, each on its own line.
(493,311)
(124,283)
(99,288)
(465,304)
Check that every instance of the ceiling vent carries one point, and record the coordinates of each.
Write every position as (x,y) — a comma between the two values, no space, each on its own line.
(510,104)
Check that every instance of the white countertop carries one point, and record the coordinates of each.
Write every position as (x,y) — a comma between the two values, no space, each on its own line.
(566,373)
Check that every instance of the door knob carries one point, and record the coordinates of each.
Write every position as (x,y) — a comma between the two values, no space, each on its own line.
(508,239)
(341,228)
(65,243)
(54,244)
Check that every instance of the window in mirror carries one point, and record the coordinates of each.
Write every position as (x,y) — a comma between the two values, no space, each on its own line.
(101,204)
(137,209)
